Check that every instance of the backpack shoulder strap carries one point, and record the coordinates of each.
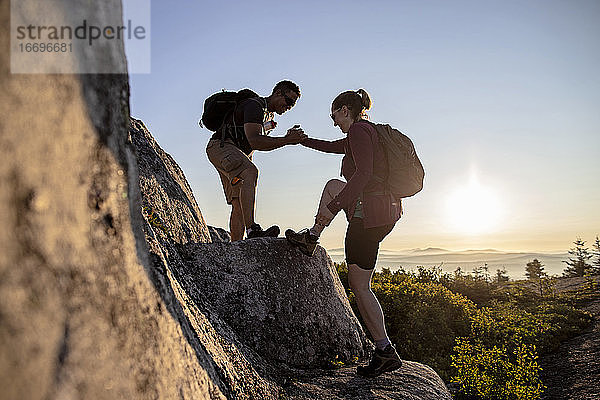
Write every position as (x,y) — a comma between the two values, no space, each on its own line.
(256,99)
(381,179)
(262,103)
(379,130)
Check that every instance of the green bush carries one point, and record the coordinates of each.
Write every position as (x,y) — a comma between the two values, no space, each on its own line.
(497,372)
(487,338)
(423,320)
(475,288)
(563,322)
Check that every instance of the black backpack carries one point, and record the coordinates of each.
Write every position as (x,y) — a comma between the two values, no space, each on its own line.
(220,105)
(405,173)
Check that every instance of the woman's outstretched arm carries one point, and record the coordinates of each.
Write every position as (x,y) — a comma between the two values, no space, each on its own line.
(326,146)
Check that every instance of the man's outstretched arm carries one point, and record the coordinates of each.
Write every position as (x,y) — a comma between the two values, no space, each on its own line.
(261,142)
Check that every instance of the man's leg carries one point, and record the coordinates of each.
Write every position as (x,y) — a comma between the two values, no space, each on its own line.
(239,177)
(247,190)
(236,220)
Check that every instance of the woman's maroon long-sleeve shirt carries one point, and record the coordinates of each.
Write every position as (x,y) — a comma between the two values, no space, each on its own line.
(363,154)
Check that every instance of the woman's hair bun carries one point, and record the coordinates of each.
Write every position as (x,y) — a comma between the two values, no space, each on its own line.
(365,98)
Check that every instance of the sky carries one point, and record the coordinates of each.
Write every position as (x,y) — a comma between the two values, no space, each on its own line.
(500,98)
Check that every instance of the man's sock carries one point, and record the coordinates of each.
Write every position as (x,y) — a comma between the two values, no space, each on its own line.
(316,230)
(382,343)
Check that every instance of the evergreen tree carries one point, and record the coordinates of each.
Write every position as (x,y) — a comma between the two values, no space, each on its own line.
(501,276)
(535,270)
(578,264)
(596,253)
(482,273)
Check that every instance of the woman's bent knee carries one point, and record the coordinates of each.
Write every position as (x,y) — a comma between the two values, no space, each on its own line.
(334,186)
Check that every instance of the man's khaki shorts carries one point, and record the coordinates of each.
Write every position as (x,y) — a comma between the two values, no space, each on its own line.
(229,161)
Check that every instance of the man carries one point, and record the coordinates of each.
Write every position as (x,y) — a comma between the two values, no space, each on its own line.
(232,157)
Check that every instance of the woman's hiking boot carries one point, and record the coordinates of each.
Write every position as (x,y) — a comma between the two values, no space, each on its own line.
(385,360)
(256,231)
(304,240)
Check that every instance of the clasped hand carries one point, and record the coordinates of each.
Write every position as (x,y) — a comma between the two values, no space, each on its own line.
(295,135)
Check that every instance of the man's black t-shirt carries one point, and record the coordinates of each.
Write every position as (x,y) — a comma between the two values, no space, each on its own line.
(248,111)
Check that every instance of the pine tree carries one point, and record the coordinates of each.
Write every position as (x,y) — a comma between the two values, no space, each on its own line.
(501,276)
(534,270)
(596,253)
(578,264)
(482,273)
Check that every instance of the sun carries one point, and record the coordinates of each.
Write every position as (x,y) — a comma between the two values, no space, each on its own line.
(473,209)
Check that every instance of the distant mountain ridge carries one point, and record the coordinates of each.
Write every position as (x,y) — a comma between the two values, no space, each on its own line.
(450,260)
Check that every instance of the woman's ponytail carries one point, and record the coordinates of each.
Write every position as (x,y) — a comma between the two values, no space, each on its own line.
(365,99)
(357,102)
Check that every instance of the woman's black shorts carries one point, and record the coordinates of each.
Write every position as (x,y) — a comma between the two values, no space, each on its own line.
(362,244)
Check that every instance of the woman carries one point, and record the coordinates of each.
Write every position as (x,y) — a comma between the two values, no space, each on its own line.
(370,209)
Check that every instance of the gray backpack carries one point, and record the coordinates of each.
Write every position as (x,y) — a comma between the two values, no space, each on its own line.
(405,173)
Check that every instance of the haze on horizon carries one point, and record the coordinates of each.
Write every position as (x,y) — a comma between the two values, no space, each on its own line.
(500,99)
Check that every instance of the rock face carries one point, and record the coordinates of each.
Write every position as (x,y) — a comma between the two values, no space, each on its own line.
(172,223)
(412,381)
(110,285)
(167,201)
(82,316)
(219,234)
(289,307)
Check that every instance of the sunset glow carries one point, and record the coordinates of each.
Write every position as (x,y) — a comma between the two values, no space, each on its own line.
(473,209)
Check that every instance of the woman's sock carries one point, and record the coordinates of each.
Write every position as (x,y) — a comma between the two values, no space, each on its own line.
(383,343)
(316,230)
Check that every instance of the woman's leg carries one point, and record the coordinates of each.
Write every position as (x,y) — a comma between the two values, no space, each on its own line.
(359,281)
(361,247)
(307,239)
(385,358)
(324,216)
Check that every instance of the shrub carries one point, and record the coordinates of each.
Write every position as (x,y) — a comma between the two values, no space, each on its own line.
(423,320)
(486,338)
(476,288)
(497,372)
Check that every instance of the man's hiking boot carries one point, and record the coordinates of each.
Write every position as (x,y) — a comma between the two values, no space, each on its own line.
(304,240)
(256,231)
(385,360)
